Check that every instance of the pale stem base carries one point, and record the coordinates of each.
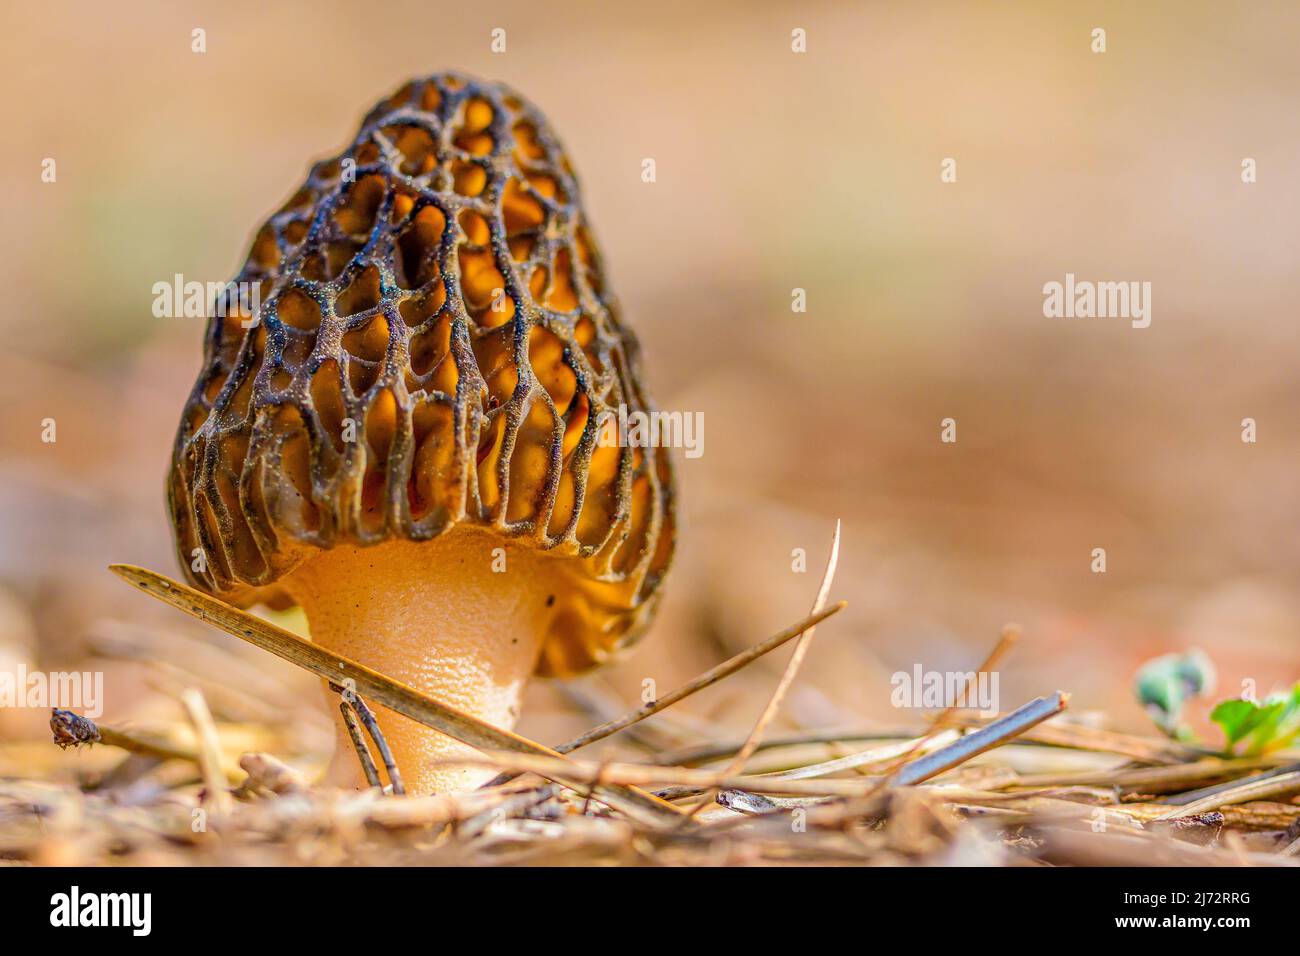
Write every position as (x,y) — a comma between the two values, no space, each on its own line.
(437,616)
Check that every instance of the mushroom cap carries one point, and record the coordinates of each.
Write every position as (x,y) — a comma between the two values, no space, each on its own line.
(436,346)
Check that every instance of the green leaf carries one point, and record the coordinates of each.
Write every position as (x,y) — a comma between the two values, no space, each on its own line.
(1269,725)
(1237,718)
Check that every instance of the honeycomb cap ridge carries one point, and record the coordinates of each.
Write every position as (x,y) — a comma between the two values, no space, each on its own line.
(436,347)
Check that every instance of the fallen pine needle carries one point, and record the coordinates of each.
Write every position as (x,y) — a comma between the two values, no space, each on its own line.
(635,774)
(787,677)
(1167,779)
(1192,796)
(372,685)
(916,772)
(708,678)
(863,759)
(1281,785)
(1078,737)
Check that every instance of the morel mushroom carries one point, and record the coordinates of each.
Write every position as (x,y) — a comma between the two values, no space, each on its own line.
(409,438)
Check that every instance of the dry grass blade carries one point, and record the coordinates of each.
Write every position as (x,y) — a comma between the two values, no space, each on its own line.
(721,750)
(1063,736)
(707,679)
(945,758)
(1169,779)
(383,690)
(217,796)
(865,758)
(635,774)
(787,677)
(1078,737)
(1192,796)
(1279,786)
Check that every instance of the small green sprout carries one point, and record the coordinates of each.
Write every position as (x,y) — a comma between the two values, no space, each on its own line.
(1165,684)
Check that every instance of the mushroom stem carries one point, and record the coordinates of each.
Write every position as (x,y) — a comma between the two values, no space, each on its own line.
(452,617)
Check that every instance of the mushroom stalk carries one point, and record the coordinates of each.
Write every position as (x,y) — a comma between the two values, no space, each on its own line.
(451,617)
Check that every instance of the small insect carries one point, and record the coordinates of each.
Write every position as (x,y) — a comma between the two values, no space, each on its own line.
(72,730)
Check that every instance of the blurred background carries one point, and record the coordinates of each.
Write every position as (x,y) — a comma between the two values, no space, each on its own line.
(775,171)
